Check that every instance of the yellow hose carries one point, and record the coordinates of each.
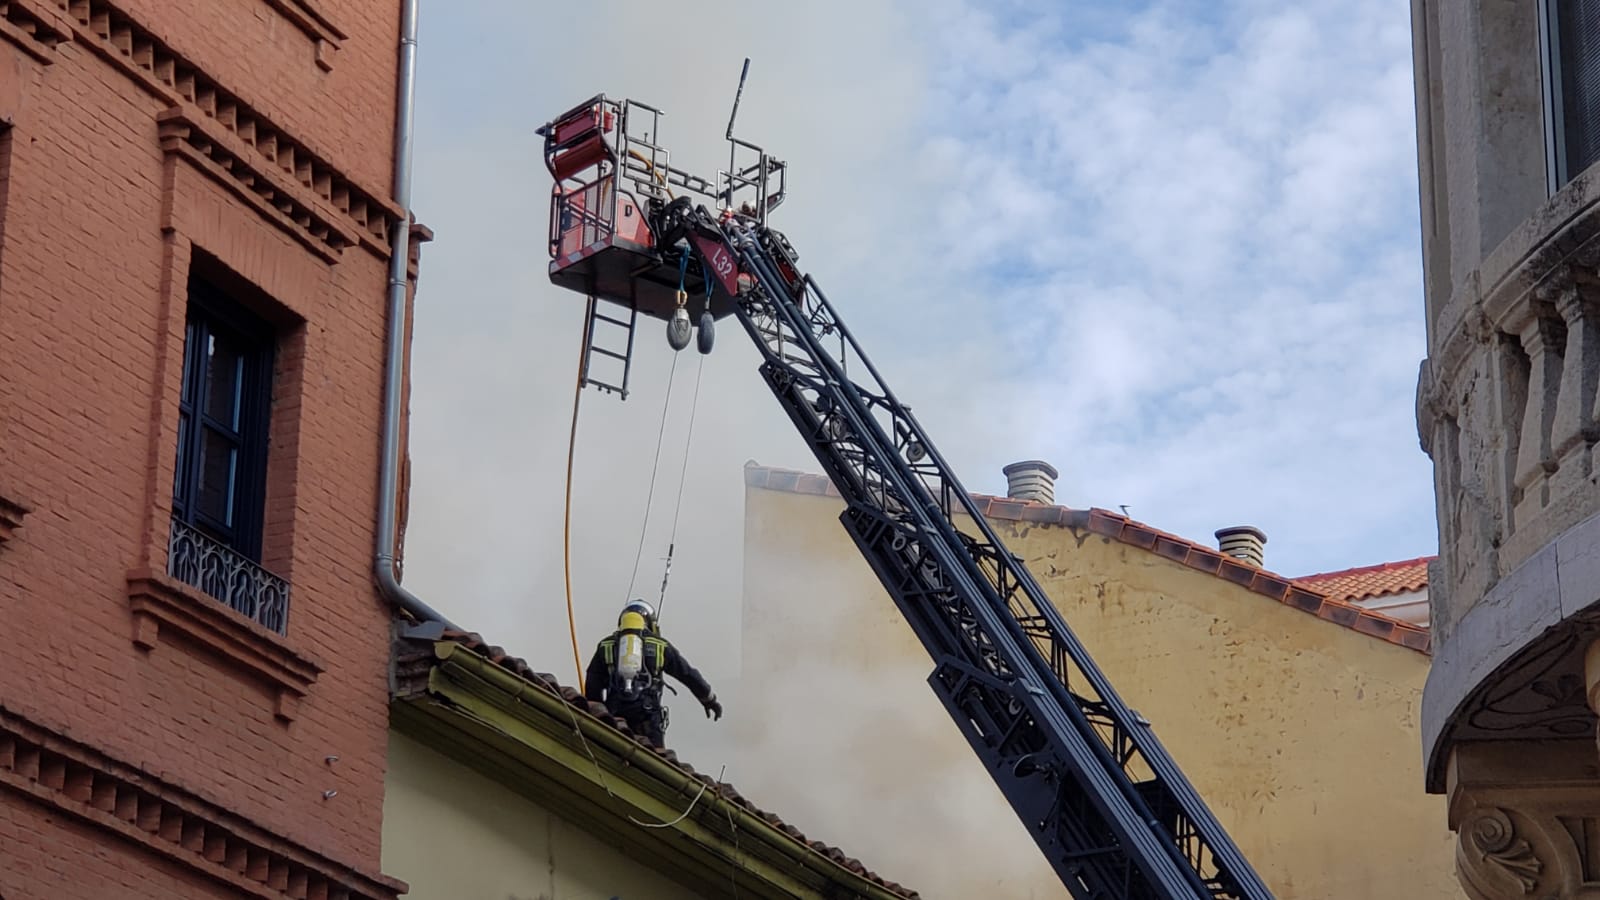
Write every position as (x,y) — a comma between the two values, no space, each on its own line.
(661,179)
(566,529)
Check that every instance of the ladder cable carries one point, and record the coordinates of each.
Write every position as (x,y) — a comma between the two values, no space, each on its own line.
(655,468)
(661,431)
(677,505)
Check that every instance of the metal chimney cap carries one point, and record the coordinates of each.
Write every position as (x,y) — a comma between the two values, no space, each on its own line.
(1031,480)
(1238,530)
(1246,543)
(1031,464)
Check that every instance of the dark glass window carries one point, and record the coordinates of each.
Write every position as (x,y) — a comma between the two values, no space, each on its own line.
(220,480)
(1572,37)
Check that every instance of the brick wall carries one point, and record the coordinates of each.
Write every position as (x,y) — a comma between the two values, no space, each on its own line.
(70,862)
(248,139)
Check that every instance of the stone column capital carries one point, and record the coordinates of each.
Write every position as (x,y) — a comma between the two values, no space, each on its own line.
(1527,819)
(1494,859)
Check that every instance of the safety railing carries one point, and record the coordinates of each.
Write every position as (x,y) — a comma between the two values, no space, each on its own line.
(582,215)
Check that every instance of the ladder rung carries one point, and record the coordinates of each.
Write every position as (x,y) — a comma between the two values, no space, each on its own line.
(604,386)
(604,318)
(604,352)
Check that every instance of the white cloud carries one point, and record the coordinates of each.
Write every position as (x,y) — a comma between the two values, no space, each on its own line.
(1205,220)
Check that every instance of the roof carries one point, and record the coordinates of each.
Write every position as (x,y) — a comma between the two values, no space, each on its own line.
(1366,582)
(1288,591)
(597,715)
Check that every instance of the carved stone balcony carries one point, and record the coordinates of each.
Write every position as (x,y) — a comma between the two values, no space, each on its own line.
(1508,409)
(238,583)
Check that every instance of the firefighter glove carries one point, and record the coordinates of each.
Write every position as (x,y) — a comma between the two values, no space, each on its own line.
(713,707)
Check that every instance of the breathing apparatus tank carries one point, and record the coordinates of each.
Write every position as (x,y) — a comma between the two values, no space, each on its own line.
(632,675)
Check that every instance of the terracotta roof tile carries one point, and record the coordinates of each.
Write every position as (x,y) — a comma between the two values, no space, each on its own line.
(1235,571)
(1198,558)
(1375,626)
(1270,585)
(1307,593)
(1342,613)
(1417,639)
(1171,549)
(1141,537)
(1041,514)
(1304,599)
(475,643)
(1365,582)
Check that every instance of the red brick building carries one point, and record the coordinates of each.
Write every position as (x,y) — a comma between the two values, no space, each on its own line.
(196,204)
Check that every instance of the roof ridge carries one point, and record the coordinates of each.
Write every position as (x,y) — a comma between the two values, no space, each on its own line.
(1370,582)
(1288,591)
(1363,570)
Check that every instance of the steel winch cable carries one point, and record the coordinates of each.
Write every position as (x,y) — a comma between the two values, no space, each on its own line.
(688,444)
(677,505)
(655,469)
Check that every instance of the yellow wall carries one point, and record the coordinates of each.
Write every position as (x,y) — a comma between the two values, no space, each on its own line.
(453,834)
(1301,735)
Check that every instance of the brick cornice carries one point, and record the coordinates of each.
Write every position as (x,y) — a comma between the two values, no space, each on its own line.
(159,603)
(304,15)
(34,26)
(72,778)
(12,513)
(218,154)
(256,144)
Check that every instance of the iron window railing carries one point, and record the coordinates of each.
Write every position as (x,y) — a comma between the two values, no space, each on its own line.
(241,585)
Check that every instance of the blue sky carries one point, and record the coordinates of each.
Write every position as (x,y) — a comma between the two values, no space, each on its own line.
(1171,248)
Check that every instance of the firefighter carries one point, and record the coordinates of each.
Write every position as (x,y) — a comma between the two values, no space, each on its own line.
(626,674)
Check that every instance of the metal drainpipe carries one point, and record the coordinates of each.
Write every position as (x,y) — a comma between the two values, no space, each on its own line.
(394,365)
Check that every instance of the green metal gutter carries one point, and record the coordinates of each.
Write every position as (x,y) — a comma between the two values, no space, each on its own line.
(655,789)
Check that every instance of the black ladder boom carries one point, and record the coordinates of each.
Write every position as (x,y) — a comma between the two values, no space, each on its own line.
(1087,776)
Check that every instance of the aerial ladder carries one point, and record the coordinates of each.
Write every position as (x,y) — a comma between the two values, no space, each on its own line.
(1086,775)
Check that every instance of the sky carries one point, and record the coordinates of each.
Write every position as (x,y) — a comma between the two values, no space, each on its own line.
(1169,247)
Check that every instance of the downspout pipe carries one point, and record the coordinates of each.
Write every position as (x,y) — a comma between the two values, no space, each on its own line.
(394,363)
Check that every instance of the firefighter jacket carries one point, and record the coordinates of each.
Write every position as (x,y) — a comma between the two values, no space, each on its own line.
(660,658)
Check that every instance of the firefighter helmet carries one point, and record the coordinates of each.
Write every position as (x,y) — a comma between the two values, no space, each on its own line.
(642,609)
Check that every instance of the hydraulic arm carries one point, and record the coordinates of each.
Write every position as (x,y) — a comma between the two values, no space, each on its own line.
(1085,774)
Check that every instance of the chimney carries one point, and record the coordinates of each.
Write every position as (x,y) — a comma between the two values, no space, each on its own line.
(1244,543)
(1031,479)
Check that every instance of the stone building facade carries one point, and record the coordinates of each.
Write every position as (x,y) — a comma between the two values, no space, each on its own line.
(195,222)
(1508,116)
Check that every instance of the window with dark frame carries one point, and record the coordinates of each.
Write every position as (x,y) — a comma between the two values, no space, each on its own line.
(1570,42)
(219,485)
